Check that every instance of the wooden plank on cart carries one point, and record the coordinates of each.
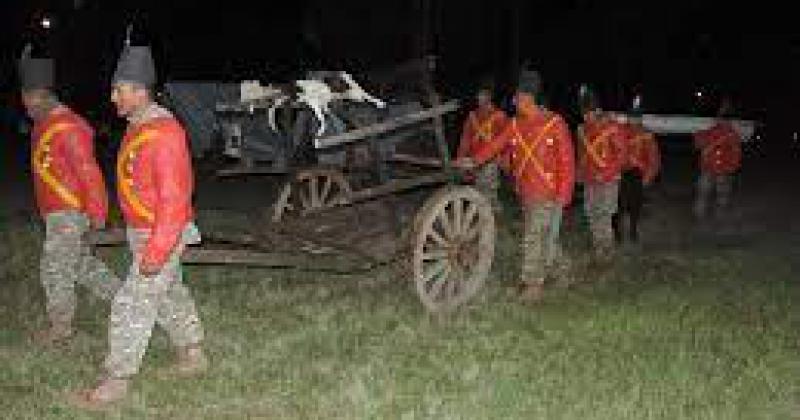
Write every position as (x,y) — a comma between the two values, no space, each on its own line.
(386,126)
(319,262)
(397,185)
(310,256)
(417,160)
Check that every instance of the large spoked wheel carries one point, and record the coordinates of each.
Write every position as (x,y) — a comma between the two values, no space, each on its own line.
(452,247)
(311,190)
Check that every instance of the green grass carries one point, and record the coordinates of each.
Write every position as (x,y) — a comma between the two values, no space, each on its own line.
(669,335)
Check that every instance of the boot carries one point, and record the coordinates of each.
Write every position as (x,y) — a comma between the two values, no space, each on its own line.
(190,361)
(55,334)
(531,291)
(102,396)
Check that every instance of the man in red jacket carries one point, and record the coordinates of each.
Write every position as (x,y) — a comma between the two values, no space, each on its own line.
(720,157)
(481,125)
(70,194)
(155,183)
(641,166)
(542,167)
(600,160)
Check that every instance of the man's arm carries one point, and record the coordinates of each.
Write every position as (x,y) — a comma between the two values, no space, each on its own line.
(488,150)
(172,181)
(566,163)
(82,162)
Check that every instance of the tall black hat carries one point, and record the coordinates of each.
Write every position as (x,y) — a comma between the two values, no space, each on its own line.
(135,65)
(35,73)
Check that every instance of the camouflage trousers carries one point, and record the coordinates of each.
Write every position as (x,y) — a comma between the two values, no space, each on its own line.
(67,260)
(600,202)
(708,185)
(487,181)
(541,252)
(144,301)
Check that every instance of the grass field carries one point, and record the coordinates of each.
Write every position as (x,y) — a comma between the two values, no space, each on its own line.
(694,334)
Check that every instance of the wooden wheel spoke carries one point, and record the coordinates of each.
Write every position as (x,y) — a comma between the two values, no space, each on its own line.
(325,192)
(313,189)
(305,200)
(469,261)
(469,217)
(436,287)
(436,236)
(432,271)
(435,255)
(444,220)
(451,288)
(472,233)
(458,215)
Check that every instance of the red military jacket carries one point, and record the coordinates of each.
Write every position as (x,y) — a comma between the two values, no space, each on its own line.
(642,152)
(482,124)
(720,149)
(541,154)
(155,183)
(602,150)
(66,173)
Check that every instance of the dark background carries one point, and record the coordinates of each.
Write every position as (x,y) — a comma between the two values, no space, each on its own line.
(667,50)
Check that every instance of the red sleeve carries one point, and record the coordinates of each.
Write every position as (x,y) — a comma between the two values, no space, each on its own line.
(566,163)
(80,154)
(487,150)
(654,157)
(173,183)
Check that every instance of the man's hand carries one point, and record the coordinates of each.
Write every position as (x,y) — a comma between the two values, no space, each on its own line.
(149,270)
(98,224)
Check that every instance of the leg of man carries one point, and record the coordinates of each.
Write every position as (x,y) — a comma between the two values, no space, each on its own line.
(724,185)
(623,208)
(602,206)
(533,268)
(58,274)
(634,202)
(177,314)
(704,186)
(94,274)
(589,202)
(610,194)
(163,299)
(137,306)
(555,259)
(488,182)
(133,315)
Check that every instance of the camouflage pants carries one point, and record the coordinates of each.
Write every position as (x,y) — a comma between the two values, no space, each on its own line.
(144,301)
(601,204)
(706,186)
(541,252)
(487,181)
(67,260)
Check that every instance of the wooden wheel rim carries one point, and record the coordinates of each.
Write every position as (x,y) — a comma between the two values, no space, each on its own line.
(453,247)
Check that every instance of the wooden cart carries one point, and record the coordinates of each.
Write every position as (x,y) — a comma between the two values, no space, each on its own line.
(444,239)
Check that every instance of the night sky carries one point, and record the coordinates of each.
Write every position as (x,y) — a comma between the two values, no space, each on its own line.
(666,49)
